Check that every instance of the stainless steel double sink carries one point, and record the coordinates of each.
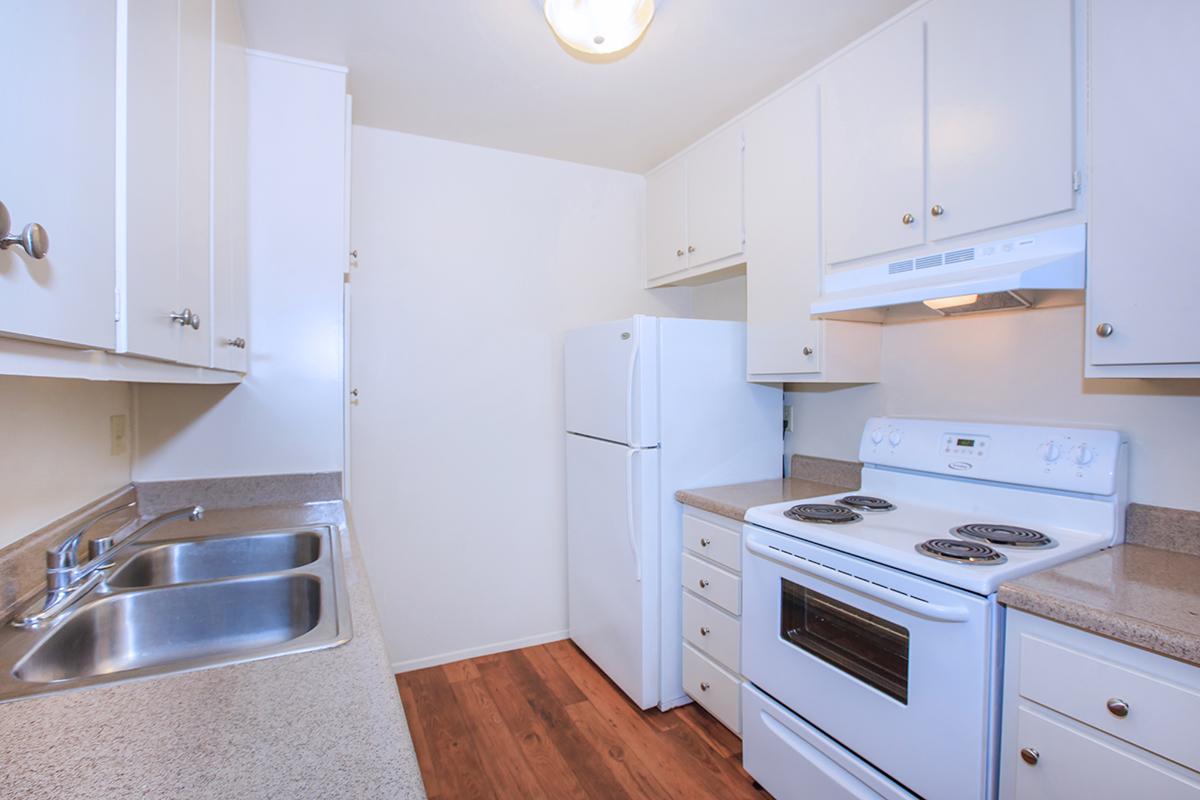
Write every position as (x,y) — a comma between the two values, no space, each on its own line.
(181,604)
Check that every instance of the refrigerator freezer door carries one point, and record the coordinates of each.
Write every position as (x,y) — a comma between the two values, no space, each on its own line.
(611,380)
(612,561)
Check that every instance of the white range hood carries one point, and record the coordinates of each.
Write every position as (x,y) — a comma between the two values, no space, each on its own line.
(1047,268)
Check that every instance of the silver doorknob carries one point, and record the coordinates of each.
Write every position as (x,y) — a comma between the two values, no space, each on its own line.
(678,252)
(691,249)
(186,318)
(704,583)
(937,211)
(705,542)
(704,686)
(705,630)
(1029,755)
(33,237)
(808,351)
(1104,330)
(908,219)
(1117,707)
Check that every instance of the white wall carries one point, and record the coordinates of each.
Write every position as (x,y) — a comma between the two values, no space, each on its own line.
(286,417)
(1023,367)
(721,299)
(472,264)
(56,442)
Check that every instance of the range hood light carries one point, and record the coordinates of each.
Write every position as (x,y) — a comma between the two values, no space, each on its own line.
(599,27)
(939,303)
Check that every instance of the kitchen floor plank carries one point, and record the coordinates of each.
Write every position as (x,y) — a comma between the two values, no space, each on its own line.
(544,722)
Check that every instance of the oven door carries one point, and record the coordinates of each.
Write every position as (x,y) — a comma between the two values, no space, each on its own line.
(895,668)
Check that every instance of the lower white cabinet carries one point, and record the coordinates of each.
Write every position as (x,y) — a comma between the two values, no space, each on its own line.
(783,269)
(1085,716)
(712,625)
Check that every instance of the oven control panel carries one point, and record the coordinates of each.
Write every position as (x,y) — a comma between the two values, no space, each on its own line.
(1088,460)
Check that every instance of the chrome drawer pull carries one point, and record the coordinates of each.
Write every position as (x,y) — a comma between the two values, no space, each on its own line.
(704,583)
(705,630)
(1030,756)
(705,542)
(704,686)
(1117,707)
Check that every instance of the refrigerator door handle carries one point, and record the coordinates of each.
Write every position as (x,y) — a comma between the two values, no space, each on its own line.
(637,555)
(633,354)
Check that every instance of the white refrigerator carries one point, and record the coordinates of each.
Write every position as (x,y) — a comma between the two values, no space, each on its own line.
(652,405)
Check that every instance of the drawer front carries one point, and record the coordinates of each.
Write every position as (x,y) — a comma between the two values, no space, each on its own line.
(713,541)
(712,687)
(1074,762)
(1161,716)
(713,583)
(712,630)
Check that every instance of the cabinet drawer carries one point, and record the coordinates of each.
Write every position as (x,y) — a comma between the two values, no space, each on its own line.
(713,631)
(1161,715)
(712,687)
(1075,762)
(713,541)
(713,583)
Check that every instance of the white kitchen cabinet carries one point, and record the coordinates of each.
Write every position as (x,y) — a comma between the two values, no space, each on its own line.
(955,119)
(230,319)
(872,132)
(1085,716)
(58,170)
(1143,273)
(1001,79)
(695,215)
(783,272)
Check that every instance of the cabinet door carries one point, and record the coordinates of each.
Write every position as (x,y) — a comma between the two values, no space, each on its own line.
(783,273)
(666,220)
(1001,112)
(195,160)
(229,313)
(873,145)
(715,192)
(58,169)
(152,200)
(1143,271)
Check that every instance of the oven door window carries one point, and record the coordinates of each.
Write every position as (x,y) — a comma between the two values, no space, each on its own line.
(871,649)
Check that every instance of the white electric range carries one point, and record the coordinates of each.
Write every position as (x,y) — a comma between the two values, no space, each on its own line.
(871,634)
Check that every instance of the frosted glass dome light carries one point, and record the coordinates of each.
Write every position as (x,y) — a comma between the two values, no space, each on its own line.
(599,27)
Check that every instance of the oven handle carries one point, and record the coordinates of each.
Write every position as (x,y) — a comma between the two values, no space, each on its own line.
(905,602)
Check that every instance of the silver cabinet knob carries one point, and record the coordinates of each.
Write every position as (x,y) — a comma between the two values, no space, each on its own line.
(705,542)
(1029,755)
(704,686)
(239,343)
(704,583)
(1117,707)
(808,351)
(908,219)
(691,249)
(186,318)
(354,392)
(937,211)
(705,630)
(33,237)
(1104,330)
(678,252)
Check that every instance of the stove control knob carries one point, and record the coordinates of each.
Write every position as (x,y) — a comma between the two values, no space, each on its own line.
(1082,455)
(877,435)
(894,437)
(1050,452)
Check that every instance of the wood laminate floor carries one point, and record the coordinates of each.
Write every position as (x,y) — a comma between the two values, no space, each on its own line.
(544,722)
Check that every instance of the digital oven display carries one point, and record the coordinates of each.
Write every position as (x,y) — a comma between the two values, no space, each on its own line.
(965,443)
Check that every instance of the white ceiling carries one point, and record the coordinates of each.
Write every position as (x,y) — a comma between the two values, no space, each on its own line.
(490,72)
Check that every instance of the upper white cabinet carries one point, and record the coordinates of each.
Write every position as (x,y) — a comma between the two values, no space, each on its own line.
(783,274)
(1001,79)
(59,170)
(695,216)
(1143,274)
(872,128)
(955,119)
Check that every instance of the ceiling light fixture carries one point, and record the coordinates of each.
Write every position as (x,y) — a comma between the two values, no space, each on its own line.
(599,27)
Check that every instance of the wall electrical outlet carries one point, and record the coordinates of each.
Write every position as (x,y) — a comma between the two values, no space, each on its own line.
(118,426)
(787,419)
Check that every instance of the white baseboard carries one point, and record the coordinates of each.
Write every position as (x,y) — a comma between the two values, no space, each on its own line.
(475,652)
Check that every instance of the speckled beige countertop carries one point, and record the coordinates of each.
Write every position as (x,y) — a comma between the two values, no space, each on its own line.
(326,724)
(734,501)
(1139,595)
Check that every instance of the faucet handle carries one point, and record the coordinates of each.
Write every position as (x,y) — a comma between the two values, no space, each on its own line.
(98,547)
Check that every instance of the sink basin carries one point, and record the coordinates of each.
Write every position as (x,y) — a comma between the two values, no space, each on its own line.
(184,604)
(177,625)
(184,561)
